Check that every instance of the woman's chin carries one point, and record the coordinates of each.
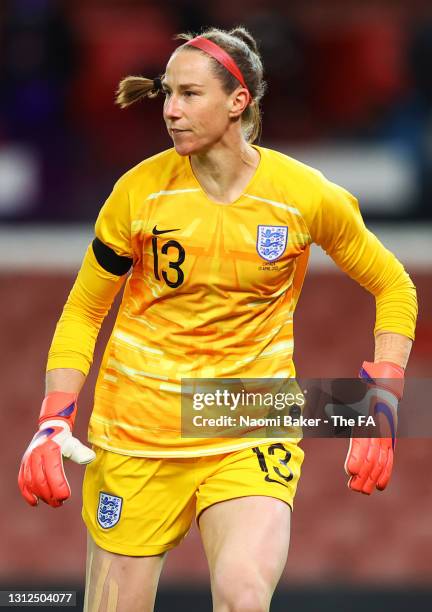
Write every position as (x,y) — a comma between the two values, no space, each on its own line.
(188,146)
(184,148)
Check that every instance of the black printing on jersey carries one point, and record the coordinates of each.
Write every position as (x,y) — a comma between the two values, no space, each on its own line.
(109,260)
(176,253)
(157,232)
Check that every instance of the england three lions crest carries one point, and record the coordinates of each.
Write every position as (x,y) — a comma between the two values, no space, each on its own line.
(271,241)
(109,510)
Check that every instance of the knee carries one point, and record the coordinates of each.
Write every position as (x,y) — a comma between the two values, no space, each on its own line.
(242,596)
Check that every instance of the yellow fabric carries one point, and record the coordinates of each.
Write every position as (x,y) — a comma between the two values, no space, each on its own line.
(87,305)
(160,497)
(337,226)
(201,301)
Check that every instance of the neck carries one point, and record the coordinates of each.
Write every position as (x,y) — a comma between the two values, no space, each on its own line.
(225,169)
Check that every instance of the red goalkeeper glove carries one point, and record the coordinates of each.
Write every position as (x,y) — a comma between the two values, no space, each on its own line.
(369,461)
(41,474)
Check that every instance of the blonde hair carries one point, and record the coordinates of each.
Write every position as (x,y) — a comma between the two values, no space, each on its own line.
(134,88)
(241,46)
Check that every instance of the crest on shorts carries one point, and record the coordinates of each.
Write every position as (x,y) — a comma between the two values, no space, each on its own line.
(271,241)
(109,510)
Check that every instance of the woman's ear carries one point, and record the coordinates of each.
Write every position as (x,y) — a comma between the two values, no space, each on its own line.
(238,102)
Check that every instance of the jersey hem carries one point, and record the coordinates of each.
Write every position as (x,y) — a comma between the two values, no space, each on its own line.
(178,454)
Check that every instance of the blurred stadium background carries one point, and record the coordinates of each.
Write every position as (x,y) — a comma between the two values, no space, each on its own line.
(350,92)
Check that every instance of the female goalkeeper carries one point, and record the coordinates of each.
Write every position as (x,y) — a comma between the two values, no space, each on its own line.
(212,238)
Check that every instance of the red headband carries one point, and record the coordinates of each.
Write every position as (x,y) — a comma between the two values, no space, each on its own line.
(220,55)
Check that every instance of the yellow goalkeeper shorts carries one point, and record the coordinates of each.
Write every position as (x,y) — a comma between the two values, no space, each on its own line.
(139,506)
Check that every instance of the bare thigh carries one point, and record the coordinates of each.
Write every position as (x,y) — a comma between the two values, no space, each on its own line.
(118,583)
(246,542)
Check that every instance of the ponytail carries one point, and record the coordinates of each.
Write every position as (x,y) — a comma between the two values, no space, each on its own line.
(134,88)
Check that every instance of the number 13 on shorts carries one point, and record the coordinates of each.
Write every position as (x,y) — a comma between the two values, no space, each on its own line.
(274,461)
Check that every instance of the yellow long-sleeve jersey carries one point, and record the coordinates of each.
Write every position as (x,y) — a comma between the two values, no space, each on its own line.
(212,291)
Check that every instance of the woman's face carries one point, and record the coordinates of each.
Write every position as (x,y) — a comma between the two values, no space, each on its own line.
(197,111)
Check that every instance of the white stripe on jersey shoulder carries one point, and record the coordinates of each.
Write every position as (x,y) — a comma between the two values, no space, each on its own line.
(156,194)
(291,209)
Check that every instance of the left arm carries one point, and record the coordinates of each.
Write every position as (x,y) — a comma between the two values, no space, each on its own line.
(336,224)
(392,347)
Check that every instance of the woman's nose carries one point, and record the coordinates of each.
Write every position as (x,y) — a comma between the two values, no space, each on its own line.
(172,108)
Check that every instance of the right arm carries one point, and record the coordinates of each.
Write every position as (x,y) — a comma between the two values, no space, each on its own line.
(71,352)
(64,379)
(73,344)
(101,276)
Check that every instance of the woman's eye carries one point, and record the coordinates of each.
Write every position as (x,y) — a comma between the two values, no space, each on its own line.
(188,94)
